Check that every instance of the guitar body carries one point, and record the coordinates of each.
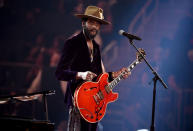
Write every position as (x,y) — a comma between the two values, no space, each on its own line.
(91,98)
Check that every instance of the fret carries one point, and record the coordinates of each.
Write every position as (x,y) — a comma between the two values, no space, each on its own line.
(120,77)
(116,81)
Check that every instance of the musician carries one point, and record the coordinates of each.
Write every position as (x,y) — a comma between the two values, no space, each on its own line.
(81,61)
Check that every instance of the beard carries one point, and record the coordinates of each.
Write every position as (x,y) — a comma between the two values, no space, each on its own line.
(88,33)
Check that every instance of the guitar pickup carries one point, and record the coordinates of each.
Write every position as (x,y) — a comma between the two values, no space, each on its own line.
(100,94)
(96,100)
(108,90)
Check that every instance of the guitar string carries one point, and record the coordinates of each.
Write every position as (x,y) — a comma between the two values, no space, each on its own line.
(115,80)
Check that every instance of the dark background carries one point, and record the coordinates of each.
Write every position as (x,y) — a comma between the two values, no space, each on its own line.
(32,34)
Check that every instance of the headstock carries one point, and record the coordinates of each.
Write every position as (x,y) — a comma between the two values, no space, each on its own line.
(139,57)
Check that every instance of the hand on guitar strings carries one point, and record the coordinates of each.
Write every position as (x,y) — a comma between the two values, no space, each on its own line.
(123,70)
(88,75)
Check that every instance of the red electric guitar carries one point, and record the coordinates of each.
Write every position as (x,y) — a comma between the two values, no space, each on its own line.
(91,98)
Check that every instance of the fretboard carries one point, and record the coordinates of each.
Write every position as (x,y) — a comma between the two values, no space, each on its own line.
(113,83)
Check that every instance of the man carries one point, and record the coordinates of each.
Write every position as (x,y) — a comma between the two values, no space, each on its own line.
(81,61)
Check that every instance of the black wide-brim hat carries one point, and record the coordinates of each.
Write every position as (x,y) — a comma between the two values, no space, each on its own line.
(95,13)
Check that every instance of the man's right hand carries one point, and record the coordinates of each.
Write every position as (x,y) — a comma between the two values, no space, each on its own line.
(88,75)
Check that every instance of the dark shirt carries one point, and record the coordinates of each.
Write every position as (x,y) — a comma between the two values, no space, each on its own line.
(76,58)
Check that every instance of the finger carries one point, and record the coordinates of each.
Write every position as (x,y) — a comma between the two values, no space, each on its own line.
(93,74)
(124,69)
(90,75)
(129,73)
(87,77)
(125,76)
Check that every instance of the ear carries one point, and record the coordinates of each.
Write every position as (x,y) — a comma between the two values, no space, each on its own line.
(83,23)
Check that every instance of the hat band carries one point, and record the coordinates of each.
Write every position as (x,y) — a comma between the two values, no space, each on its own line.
(97,14)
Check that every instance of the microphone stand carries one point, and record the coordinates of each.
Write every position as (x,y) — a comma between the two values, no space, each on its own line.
(155,78)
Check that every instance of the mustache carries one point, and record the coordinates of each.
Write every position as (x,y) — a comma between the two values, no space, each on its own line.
(93,30)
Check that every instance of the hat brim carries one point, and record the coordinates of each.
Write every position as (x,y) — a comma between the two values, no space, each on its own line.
(93,17)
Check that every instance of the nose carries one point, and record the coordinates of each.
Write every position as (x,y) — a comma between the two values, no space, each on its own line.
(95,26)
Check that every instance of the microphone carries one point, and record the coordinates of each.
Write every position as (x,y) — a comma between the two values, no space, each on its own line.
(130,36)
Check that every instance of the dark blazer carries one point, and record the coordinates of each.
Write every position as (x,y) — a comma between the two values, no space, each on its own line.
(76,58)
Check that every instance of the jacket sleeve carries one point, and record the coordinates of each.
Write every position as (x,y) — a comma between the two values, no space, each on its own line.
(110,76)
(63,70)
(103,71)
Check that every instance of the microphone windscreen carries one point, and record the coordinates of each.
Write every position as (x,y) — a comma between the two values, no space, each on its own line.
(121,32)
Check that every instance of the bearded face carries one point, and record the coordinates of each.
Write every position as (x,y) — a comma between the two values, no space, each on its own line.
(91,28)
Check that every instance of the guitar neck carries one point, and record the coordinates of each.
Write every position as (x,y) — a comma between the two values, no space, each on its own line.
(120,77)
